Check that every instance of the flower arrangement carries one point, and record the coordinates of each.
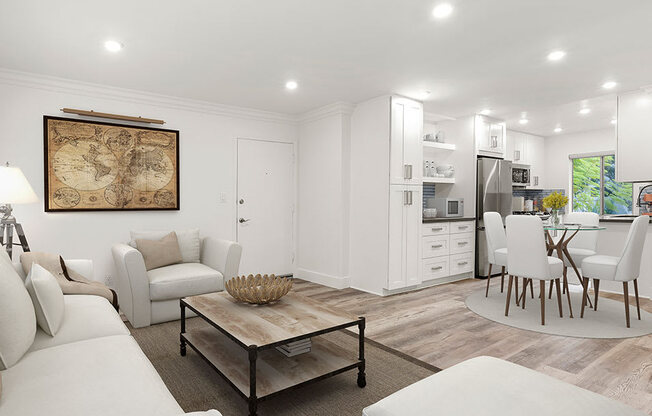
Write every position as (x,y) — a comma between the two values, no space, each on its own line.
(555,201)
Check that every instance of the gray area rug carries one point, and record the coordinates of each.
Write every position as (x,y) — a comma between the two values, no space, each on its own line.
(196,386)
(607,322)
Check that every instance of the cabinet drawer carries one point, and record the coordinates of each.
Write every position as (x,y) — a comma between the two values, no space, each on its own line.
(435,267)
(461,243)
(435,228)
(435,246)
(461,263)
(461,227)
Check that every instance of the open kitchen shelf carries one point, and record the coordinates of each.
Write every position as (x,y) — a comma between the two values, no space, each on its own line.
(435,145)
(438,180)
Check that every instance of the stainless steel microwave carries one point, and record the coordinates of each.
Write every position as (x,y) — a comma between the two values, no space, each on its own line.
(449,207)
(520,176)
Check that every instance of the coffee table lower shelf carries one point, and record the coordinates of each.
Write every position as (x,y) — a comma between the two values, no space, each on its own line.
(275,372)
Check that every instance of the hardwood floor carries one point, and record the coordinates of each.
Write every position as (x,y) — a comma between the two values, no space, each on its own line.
(434,325)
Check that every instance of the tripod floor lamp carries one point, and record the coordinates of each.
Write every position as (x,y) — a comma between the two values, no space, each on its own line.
(14,189)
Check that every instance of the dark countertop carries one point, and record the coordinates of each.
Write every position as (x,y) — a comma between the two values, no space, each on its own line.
(452,219)
(623,220)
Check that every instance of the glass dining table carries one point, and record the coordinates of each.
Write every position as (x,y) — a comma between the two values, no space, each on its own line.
(560,246)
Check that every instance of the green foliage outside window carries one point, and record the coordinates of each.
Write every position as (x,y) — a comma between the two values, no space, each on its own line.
(592,182)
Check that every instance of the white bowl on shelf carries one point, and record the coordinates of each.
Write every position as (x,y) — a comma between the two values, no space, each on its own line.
(429,212)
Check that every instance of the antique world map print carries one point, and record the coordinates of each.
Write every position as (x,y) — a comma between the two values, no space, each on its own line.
(103,166)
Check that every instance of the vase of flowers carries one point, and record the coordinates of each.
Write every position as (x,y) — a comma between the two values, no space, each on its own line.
(555,202)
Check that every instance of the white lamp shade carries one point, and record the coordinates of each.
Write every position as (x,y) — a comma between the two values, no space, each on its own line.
(14,187)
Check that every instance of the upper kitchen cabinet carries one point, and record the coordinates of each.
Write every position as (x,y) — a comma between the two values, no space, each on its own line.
(634,137)
(490,137)
(406,143)
(528,150)
(516,147)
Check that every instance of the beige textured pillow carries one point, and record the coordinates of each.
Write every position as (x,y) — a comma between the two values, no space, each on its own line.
(47,298)
(159,253)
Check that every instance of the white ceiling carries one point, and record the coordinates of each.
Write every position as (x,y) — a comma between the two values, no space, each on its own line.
(241,52)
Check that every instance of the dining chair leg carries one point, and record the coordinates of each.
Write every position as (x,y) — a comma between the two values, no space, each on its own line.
(550,291)
(543,302)
(516,291)
(509,294)
(558,287)
(531,289)
(486,293)
(565,286)
(525,285)
(596,289)
(638,307)
(626,294)
(585,284)
(570,306)
(502,279)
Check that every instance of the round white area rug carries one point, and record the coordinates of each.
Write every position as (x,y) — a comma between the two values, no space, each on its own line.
(607,322)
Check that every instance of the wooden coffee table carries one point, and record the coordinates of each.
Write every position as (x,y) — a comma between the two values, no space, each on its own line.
(241,339)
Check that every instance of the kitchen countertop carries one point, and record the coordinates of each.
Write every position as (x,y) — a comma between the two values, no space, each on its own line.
(452,219)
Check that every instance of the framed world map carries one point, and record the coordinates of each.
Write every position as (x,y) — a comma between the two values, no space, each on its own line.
(95,166)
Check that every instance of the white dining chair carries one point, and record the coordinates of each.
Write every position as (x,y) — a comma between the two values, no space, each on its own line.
(624,268)
(496,246)
(583,245)
(527,257)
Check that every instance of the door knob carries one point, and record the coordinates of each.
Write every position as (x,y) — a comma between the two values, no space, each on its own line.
(242,220)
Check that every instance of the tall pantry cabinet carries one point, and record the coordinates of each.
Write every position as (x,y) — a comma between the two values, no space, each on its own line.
(386,194)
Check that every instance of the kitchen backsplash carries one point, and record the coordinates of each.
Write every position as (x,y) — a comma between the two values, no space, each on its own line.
(537,195)
(428,192)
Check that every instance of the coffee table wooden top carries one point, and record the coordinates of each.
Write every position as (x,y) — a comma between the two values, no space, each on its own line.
(293,316)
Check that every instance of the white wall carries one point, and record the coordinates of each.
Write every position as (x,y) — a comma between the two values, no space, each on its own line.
(558,175)
(323,202)
(207,161)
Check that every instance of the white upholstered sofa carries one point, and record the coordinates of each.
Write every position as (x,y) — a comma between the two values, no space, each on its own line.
(487,386)
(150,297)
(92,366)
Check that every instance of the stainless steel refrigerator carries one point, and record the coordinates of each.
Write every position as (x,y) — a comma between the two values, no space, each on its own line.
(494,193)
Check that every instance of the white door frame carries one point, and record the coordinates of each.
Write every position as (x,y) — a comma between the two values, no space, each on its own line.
(294,193)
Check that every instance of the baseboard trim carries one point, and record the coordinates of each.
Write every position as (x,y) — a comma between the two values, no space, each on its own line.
(336,282)
(430,283)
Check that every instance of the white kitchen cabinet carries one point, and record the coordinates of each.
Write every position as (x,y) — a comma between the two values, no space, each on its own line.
(633,141)
(384,221)
(406,143)
(490,136)
(404,254)
(536,158)
(517,147)
(448,251)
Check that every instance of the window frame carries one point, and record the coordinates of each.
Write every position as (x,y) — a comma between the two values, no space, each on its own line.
(601,155)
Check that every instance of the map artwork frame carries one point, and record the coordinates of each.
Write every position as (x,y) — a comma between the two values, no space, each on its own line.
(98,166)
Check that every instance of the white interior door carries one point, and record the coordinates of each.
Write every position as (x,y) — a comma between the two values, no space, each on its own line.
(265,206)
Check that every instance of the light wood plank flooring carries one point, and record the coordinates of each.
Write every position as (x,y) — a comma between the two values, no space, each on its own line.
(434,325)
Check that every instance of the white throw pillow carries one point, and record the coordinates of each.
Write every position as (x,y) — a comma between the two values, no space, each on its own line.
(189,242)
(47,298)
(17,318)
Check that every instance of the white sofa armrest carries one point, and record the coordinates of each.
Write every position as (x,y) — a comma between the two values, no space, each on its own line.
(132,285)
(82,266)
(221,255)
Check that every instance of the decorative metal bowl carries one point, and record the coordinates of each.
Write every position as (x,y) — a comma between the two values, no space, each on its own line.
(258,289)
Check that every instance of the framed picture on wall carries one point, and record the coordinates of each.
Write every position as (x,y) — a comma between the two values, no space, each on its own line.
(96,166)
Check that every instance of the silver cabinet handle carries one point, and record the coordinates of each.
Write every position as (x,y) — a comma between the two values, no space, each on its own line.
(536,180)
(405,198)
(462,227)
(242,220)
(462,243)
(410,195)
(407,171)
(462,263)
(437,246)
(517,155)
(436,268)
(437,229)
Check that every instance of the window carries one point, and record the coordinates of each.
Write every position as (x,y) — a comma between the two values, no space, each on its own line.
(595,188)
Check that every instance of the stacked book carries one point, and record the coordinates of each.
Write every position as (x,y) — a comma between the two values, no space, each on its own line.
(295,348)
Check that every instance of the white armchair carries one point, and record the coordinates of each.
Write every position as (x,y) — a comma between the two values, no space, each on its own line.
(150,297)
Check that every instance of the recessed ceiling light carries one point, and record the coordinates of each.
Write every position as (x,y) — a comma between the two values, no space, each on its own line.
(609,85)
(485,112)
(523,121)
(113,46)
(291,85)
(585,111)
(556,55)
(558,130)
(442,11)
(614,121)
